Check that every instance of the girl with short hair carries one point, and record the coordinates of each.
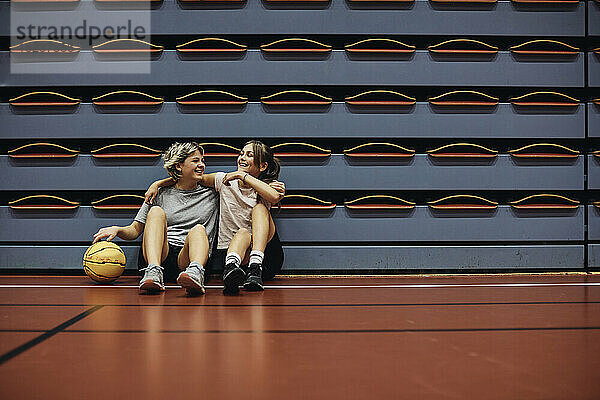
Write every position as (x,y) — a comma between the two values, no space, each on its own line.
(179,228)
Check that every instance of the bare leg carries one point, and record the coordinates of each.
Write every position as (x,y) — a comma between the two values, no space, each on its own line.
(263,227)
(233,275)
(155,247)
(240,243)
(263,230)
(195,248)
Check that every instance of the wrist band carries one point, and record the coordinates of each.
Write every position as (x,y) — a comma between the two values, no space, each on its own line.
(244,178)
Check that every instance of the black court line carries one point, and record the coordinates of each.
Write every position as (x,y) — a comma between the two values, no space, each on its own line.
(285,331)
(514,303)
(46,335)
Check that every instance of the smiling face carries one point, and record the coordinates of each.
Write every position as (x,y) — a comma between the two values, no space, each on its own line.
(193,166)
(246,162)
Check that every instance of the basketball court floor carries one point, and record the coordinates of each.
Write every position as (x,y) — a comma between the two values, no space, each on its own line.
(414,337)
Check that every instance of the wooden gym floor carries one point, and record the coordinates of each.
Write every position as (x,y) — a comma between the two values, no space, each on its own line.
(414,337)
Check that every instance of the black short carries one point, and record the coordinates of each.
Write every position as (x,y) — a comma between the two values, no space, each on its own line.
(272,262)
(171,268)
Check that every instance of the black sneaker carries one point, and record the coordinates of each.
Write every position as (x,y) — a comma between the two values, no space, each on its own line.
(233,277)
(254,281)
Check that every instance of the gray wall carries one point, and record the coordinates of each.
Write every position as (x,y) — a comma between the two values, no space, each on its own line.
(336,121)
(337,68)
(339,17)
(340,239)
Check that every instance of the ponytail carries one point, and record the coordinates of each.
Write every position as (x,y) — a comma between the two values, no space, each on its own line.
(264,154)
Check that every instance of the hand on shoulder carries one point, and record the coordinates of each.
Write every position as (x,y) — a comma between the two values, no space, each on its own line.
(279,187)
(151,193)
(230,176)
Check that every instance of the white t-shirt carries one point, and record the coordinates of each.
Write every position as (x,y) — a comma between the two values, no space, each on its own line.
(236,204)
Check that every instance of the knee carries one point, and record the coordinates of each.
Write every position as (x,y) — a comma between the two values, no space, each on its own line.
(198,230)
(243,234)
(156,213)
(259,209)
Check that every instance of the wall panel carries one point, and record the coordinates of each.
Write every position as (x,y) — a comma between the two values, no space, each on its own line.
(336,121)
(424,224)
(339,225)
(593,118)
(341,18)
(593,69)
(421,69)
(593,256)
(460,258)
(593,223)
(337,172)
(593,181)
(593,14)
(77,225)
(343,258)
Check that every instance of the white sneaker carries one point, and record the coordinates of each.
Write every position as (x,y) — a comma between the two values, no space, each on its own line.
(192,280)
(153,279)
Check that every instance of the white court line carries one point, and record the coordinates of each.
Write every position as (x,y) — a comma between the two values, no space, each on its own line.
(406,286)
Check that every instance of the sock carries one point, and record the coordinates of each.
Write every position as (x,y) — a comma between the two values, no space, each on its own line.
(233,258)
(152,265)
(256,257)
(196,264)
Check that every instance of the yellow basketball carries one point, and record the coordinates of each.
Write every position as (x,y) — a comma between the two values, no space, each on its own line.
(104,261)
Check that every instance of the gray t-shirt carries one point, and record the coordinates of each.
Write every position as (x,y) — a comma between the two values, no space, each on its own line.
(185,209)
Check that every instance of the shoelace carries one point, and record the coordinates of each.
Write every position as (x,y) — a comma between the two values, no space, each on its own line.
(151,269)
(196,269)
(255,271)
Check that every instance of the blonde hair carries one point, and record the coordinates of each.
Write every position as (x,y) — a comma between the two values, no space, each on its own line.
(176,154)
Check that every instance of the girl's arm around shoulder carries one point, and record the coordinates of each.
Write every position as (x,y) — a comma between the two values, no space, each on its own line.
(152,191)
(279,186)
(208,180)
